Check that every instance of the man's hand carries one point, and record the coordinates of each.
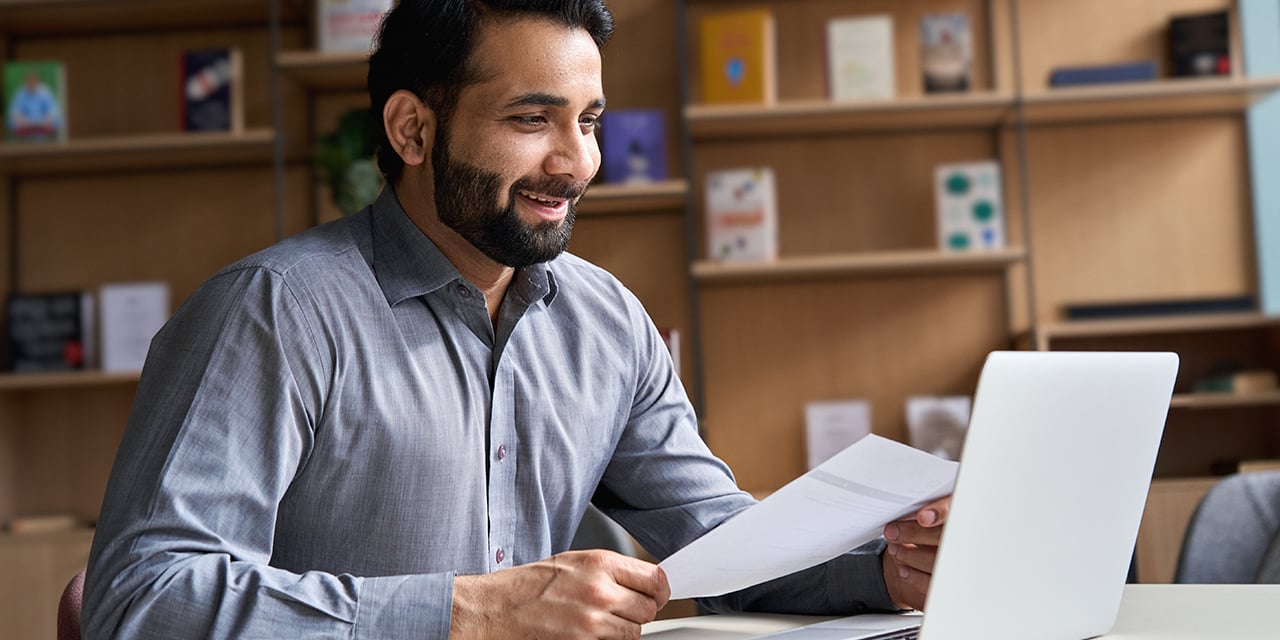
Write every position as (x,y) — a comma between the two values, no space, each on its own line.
(913,548)
(577,594)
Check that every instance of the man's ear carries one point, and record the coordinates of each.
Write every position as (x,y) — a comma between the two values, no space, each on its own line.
(411,126)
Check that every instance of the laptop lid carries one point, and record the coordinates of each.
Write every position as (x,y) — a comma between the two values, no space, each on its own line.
(1050,492)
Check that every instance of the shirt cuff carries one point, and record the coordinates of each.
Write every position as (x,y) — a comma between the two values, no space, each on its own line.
(416,606)
(858,577)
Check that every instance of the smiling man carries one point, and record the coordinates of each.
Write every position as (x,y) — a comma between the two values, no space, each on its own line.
(390,426)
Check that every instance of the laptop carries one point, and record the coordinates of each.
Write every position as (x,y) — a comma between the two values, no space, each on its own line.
(1052,483)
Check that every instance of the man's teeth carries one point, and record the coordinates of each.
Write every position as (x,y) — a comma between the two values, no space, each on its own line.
(553,203)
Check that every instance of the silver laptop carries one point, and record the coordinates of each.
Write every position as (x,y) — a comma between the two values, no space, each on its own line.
(1050,492)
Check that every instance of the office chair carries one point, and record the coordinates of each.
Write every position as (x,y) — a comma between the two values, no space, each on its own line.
(69,608)
(1233,535)
(597,531)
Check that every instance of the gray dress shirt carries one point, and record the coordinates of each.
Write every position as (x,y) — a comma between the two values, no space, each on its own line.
(330,430)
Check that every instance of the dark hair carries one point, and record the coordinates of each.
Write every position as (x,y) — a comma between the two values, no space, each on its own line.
(425,46)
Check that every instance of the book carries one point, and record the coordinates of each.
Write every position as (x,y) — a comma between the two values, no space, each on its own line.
(1246,381)
(348,25)
(212,97)
(860,61)
(946,50)
(742,214)
(737,57)
(131,315)
(970,207)
(635,146)
(35,101)
(1140,71)
(1200,45)
(831,426)
(938,424)
(49,332)
(1245,303)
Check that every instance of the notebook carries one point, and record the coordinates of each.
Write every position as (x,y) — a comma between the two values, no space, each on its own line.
(1050,492)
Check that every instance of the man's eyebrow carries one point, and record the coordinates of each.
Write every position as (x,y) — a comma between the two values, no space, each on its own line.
(539,99)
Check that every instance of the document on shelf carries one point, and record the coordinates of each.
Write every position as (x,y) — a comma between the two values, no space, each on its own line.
(839,505)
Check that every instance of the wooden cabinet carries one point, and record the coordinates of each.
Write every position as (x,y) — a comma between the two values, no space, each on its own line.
(1112,193)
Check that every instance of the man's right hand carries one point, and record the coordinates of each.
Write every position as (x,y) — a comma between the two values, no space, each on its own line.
(576,594)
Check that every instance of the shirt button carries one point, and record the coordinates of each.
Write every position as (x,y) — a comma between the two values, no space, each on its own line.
(464,291)
(500,556)
(502,454)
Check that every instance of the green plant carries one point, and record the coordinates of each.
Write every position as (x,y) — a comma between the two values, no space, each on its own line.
(345,159)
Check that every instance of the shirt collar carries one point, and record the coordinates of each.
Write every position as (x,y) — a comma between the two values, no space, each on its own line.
(408,264)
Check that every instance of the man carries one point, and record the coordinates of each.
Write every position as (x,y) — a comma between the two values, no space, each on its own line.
(389,426)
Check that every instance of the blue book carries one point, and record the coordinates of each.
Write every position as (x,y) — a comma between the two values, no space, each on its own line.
(635,146)
(210,88)
(1103,74)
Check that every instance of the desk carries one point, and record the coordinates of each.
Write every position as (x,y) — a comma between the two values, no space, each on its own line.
(1148,612)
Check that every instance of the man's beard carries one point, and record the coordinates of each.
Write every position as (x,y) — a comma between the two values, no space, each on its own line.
(467,201)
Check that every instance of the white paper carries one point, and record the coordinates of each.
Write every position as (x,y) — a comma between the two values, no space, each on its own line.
(842,504)
(132,313)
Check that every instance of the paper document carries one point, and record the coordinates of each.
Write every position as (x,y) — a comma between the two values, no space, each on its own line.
(843,503)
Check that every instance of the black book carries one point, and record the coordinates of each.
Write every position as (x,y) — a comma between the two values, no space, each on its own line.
(49,332)
(1200,45)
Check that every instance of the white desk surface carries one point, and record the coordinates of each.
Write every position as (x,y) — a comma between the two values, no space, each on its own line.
(1167,612)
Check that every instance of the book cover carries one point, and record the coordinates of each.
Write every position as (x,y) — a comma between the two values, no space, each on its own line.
(49,332)
(635,146)
(737,54)
(211,90)
(742,215)
(132,313)
(938,424)
(946,49)
(830,427)
(970,206)
(35,101)
(1200,45)
(1141,71)
(860,60)
(348,25)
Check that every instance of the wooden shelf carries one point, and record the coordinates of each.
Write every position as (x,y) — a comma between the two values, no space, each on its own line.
(1163,324)
(45,17)
(924,262)
(158,150)
(78,534)
(977,109)
(606,199)
(327,71)
(39,381)
(1224,400)
(1147,99)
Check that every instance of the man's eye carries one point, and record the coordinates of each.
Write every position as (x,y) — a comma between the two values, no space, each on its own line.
(590,123)
(531,121)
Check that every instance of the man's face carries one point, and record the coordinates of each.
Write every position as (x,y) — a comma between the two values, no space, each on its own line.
(520,147)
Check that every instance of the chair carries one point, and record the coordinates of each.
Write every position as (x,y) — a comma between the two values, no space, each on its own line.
(69,608)
(1232,537)
(597,531)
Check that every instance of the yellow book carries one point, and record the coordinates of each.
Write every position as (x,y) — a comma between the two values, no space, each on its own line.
(737,52)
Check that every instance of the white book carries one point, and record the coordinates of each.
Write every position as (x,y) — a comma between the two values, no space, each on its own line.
(830,427)
(970,206)
(742,215)
(131,314)
(349,25)
(937,424)
(860,59)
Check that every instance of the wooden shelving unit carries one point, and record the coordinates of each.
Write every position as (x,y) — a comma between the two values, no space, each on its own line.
(798,117)
(66,17)
(880,264)
(1154,325)
(1225,400)
(1158,99)
(133,152)
(607,199)
(41,381)
(318,70)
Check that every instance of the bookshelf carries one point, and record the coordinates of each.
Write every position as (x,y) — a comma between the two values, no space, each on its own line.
(1113,193)
(136,152)
(41,381)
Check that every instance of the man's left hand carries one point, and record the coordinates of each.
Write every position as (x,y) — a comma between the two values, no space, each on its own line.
(913,548)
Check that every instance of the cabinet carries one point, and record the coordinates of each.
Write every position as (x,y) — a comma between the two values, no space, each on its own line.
(1112,193)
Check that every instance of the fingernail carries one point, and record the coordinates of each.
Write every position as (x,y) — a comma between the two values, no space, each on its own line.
(891,532)
(894,549)
(929,517)
(903,573)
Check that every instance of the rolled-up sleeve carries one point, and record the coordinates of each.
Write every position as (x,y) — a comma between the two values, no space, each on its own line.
(223,422)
